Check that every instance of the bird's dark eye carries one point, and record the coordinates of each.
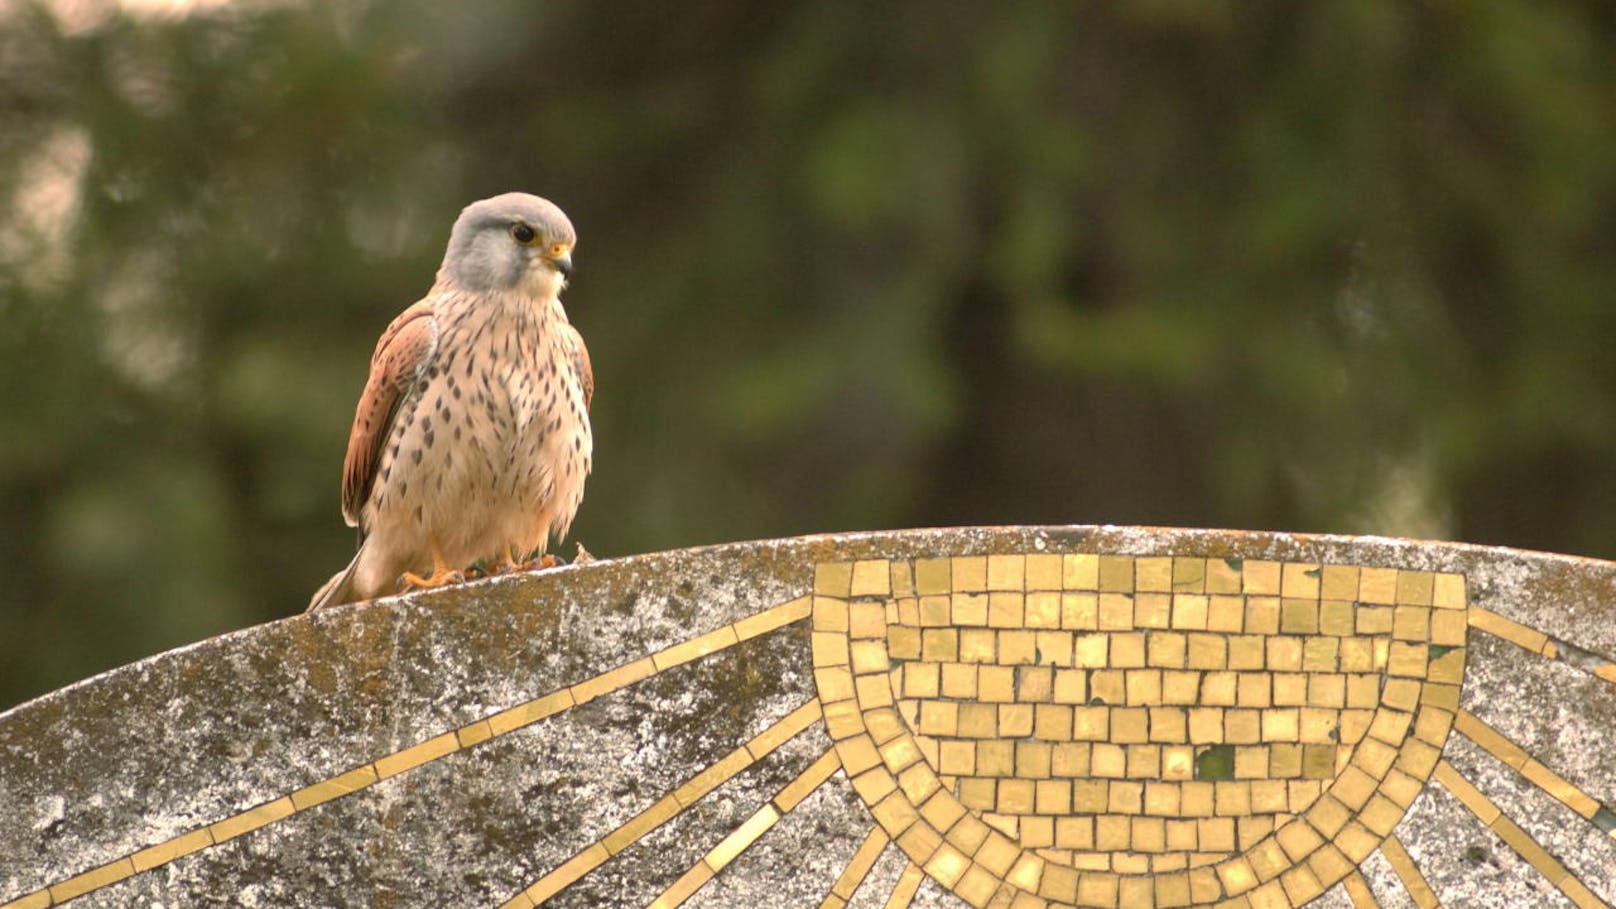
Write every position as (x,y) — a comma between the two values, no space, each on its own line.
(524,235)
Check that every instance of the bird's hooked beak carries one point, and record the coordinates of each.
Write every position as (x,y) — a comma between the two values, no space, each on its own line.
(563,262)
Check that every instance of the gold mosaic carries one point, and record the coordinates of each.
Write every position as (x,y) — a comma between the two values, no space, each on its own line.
(1050,730)
(1094,730)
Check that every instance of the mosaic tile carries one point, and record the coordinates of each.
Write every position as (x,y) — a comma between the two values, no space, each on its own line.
(1024,726)
(882,881)
(1127,714)
(267,862)
(1468,864)
(647,868)
(1588,852)
(1564,740)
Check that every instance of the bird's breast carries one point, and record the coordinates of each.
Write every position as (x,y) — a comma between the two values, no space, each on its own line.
(524,380)
(494,444)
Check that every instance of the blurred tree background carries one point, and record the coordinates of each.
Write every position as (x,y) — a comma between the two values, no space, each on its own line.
(1338,266)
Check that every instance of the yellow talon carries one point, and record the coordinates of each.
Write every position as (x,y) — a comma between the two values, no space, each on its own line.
(442,572)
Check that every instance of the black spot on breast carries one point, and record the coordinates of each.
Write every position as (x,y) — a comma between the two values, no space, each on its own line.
(430,437)
(415,455)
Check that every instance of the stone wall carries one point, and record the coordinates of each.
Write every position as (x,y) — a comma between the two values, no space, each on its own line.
(1018,717)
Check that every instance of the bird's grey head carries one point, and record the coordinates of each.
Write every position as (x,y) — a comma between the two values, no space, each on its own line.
(508,242)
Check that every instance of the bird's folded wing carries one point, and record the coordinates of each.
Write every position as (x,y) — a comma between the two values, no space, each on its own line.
(580,360)
(400,361)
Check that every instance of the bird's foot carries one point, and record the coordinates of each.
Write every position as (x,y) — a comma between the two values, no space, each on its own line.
(439,578)
(508,562)
(584,556)
(442,572)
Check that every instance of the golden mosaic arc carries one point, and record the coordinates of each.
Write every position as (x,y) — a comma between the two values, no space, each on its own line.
(1105,730)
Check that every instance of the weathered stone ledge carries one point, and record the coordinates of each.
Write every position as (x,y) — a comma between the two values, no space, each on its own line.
(160,752)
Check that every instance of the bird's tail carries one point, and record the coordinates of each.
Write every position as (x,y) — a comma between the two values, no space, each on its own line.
(338,590)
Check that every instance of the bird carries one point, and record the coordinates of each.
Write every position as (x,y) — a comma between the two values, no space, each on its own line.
(471,440)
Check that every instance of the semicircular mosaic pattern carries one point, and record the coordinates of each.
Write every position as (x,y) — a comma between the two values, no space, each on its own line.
(1104,730)
(1011,719)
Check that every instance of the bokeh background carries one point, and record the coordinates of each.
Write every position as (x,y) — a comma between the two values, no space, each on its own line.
(1340,266)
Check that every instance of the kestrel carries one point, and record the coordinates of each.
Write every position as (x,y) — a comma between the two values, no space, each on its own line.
(471,440)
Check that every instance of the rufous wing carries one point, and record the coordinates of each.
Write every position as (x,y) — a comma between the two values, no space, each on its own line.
(580,361)
(400,360)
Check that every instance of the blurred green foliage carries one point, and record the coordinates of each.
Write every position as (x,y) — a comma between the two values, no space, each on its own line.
(1338,266)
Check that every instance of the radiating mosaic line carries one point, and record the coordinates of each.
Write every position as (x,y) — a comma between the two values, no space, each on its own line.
(719,857)
(362,777)
(1358,891)
(903,892)
(666,808)
(1542,644)
(1495,820)
(1552,784)
(857,868)
(1414,882)
(1027,601)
